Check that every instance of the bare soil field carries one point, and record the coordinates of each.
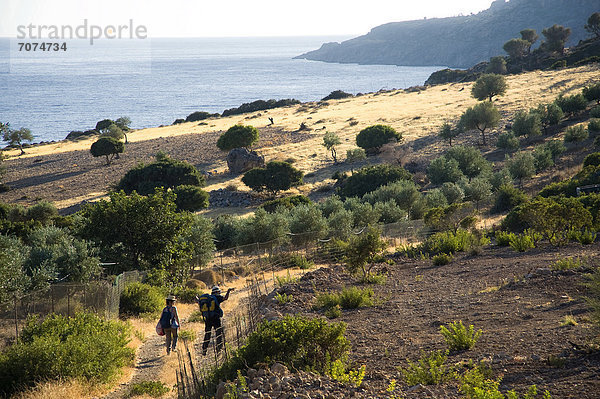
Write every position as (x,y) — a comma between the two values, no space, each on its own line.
(516,300)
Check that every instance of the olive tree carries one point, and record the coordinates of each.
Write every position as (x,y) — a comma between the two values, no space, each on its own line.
(274,177)
(16,137)
(530,36)
(107,147)
(593,24)
(521,166)
(362,251)
(330,140)
(517,48)
(482,116)
(372,138)
(238,136)
(488,86)
(447,132)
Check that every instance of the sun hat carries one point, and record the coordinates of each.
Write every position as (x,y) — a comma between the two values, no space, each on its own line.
(215,290)
(171,298)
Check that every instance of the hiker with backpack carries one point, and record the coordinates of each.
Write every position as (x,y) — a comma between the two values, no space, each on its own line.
(210,307)
(169,321)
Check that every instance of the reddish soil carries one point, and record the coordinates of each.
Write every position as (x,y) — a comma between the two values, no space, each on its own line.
(521,319)
(69,175)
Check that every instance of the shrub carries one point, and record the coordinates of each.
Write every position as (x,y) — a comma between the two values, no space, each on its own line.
(542,158)
(442,259)
(190,198)
(59,347)
(156,389)
(550,114)
(355,155)
(333,312)
(285,280)
(362,250)
(178,121)
(497,65)
(165,172)
(43,212)
(508,142)
(556,147)
(442,170)
(403,193)
(370,178)
(138,298)
(567,264)
(447,132)
(575,134)
(453,193)
(199,115)
(521,242)
(429,370)
(285,202)
(372,138)
(348,298)
(284,298)
(103,124)
(527,124)
(521,166)
(336,95)
(292,260)
(337,371)
(276,176)
(459,337)
(595,112)
(585,237)
(503,238)
(489,86)
(436,199)
(389,212)
(260,105)
(571,105)
(238,136)
(560,64)
(594,125)
(186,295)
(592,160)
(296,341)
(107,147)
(450,243)
(307,223)
(592,93)
(470,161)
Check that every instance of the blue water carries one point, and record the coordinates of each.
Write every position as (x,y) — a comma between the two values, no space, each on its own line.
(157,81)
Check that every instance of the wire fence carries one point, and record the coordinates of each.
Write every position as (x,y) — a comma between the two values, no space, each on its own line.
(262,262)
(100,297)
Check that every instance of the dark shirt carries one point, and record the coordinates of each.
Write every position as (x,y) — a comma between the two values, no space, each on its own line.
(220,298)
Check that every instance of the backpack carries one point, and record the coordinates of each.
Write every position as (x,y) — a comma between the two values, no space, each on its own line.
(166,318)
(209,306)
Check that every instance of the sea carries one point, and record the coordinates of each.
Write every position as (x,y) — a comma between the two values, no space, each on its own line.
(155,81)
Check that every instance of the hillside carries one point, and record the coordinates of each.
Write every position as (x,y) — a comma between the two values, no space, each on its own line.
(460,41)
(66,174)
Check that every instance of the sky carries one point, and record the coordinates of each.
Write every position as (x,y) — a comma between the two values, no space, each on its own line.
(231,18)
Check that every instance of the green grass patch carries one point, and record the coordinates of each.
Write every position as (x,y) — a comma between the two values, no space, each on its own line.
(156,389)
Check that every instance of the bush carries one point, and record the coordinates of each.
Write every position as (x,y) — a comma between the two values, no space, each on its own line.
(489,86)
(403,193)
(527,124)
(238,136)
(453,193)
(362,251)
(286,202)
(260,105)
(442,170)
(592,93)
(156,389)
(370,178)
(497,65)
(296,341)
(190,198)
(348,298)
(429,370)
(482,116)
(594,125)
(459,337)
(199,115)
(186,295)
(276,176)
(521,242)
(442,259)
(59,347)
(470,161)
(542,158)
(571,105)
(372,138)
(503,238)
(103,124)
(43,212)
(138,298)
(595,112)
(567,264)
(521,166)
(592,160)
(178,121)
(450,243)
(575,134)
(556,147)
(550,114)
(165,172)
(107,147)
(336,95)
(508,142)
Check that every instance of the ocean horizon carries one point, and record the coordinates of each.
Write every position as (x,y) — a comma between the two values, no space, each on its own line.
(156,81)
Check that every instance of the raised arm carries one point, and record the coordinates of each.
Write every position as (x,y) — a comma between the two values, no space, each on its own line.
(226,297)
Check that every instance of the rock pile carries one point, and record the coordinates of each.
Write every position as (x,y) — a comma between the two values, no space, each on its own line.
(277,382)
(223,198)
(240,160)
